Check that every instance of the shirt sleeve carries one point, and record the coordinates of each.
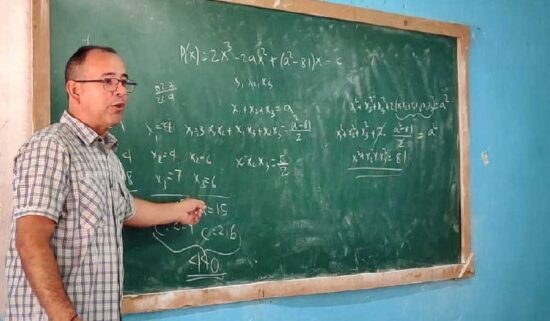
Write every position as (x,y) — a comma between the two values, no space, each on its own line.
(40,183)
(131,208)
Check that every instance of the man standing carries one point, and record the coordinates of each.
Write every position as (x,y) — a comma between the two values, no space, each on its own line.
(70,202)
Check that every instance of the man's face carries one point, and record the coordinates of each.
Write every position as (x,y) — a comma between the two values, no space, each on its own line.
(100,108)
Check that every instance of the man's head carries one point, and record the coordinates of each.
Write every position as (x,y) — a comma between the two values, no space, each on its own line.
(95,80)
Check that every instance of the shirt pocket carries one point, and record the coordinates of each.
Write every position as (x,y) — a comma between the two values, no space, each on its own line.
(92,201)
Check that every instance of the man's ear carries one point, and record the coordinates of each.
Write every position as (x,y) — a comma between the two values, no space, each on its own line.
(73,90)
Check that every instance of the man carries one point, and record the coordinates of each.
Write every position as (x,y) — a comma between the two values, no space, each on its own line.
(70,202)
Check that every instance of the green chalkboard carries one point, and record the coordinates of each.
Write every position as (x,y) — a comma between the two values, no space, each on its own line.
(322,147)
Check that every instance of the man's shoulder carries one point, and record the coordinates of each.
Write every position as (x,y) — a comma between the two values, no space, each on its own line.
(58,134)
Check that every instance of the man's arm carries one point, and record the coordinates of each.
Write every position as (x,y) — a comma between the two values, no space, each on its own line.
(188,211)
(32,240)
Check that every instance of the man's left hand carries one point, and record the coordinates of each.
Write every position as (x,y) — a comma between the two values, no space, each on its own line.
(190,211)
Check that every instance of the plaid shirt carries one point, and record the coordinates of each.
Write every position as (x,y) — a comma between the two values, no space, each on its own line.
(72,176)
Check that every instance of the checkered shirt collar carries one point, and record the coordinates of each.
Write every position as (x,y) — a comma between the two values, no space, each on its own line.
(85,133)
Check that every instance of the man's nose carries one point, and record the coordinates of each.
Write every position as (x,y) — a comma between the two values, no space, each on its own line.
(121,90)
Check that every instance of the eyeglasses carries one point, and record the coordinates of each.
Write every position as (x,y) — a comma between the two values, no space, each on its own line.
(111,84)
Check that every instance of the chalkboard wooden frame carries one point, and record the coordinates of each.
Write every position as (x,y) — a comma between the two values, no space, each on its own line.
(270,289)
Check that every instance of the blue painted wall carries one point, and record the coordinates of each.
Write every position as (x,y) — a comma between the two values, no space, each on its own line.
(510,108)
